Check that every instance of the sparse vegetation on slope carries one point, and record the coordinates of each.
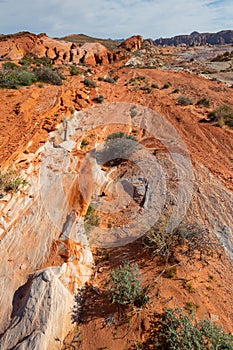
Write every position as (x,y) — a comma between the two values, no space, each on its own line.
(10,181)
(176,330)
(222,115)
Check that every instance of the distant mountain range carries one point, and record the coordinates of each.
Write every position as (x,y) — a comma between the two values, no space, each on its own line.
(196,39)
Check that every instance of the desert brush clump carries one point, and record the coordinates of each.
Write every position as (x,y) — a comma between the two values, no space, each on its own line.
(13,76)
(10,181)
(203,102)
(189,239)
(176,329)
(91,218)
(88,82)
(124,286)
(222,115)
(184,101)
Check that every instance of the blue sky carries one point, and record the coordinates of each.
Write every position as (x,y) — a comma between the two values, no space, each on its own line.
(116,18)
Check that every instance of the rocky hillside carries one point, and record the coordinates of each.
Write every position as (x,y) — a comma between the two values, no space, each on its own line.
(15,47)
(88,168)
(198,39)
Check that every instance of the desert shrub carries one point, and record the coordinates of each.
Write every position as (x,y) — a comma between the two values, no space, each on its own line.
(146,88)
(118,147)
(74,70)
(47,75)
(176,330)
(121,135)
(175,91)
(91,218)
(84,143)
(154,86)
(9,65)
(222,115)
(190,240)
(203,102)
(98,99)
(124,286)
(107,80)
(10,181)
(12,79)
(166,85)
(89,83)
(184,101)
(133,111)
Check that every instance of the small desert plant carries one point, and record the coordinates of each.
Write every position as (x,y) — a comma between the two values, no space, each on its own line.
(47,75)
(9,65)
(91,218)
(222,115)
(89,83)
(12,79)
(188,239)
(84,143)
(98,99)
(184,101)
(175,91)
(154,86)
(146,88)
(124,286)
(166,85)
(10,181)
(74,70)
(133,111)
(107,80)
(176,330)
(203,102)
(121,135)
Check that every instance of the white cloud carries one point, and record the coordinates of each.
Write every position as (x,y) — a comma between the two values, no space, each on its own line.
(115,18)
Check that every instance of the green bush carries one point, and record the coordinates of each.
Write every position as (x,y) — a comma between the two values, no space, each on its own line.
(47,75)
(222,115)
(203,102)
(190,239)
(74,70)
(176,330)
(146,88)
(9,65)
(166,85)
(98,99)
(12,79)
(184,101)
(91,218)
(133,111)
(89,83)
(10,181)
(107,80)
(124,286)
(121,135)
(30,59)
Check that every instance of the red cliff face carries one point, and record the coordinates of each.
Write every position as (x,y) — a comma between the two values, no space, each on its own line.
(132,44)
(15,47)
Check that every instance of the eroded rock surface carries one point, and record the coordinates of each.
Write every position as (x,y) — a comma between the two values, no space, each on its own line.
(15,47)
(132,44)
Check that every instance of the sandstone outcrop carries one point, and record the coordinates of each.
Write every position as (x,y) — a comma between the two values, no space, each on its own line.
(15,47)
(44,252)
(132,44)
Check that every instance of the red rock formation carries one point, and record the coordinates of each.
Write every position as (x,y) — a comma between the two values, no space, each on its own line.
(15,47)
(132,44)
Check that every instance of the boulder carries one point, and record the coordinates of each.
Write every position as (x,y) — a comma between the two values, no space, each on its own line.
(132,44)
